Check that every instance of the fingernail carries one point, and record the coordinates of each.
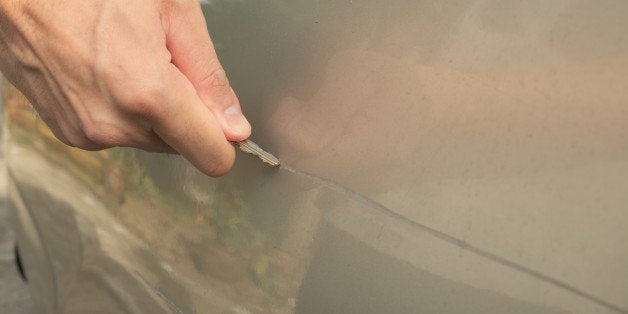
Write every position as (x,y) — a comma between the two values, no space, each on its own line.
(236,119)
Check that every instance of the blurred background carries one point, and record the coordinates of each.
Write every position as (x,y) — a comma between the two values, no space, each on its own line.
(14,294)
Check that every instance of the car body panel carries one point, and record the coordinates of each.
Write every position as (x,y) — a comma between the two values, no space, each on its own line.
(439,157)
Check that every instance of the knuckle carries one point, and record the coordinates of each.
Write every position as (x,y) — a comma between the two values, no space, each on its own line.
(80,141)
(142,100)
(219,167)
(131,96)
(63,138)
(183,4)
(109,73)
(70,134)
(98,136)
(215,80)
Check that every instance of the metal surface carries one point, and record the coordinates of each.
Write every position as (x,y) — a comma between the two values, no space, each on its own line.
(437,157)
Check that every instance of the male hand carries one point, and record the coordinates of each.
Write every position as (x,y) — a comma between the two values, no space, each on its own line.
(142,73)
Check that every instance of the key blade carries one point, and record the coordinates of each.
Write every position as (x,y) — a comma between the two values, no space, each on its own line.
(250,147)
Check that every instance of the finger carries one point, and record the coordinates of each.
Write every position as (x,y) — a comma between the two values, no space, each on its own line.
(193,53)
(156,144)
(189,127)
(146,140)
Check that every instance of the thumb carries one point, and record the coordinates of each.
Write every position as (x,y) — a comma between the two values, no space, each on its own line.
(192,131)
(193,54)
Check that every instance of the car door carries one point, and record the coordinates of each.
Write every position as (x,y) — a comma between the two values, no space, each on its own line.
(437,157)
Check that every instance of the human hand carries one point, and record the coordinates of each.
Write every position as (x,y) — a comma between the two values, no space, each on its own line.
(104,73)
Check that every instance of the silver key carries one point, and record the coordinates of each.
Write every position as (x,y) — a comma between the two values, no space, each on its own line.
(250,147)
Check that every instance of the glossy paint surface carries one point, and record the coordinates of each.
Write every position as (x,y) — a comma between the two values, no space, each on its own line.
(437,157)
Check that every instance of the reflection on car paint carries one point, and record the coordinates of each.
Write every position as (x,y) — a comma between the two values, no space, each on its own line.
(497,126)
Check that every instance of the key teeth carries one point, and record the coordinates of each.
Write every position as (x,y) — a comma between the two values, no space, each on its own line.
(250,147)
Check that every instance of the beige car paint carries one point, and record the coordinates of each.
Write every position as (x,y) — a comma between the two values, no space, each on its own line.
(437,157)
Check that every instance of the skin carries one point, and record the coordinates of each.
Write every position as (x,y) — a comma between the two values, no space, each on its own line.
(142,73)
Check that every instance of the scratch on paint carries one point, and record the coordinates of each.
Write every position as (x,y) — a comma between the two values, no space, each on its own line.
(453,240)
(170,304)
